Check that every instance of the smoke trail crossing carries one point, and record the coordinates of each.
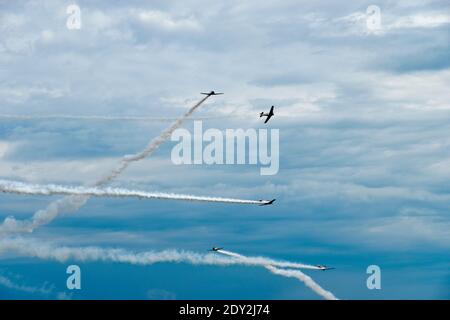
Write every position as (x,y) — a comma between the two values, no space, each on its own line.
(307,280)
(275,269)
(281,264)
(36,249)
(73,203)
(151,147)
(35,189)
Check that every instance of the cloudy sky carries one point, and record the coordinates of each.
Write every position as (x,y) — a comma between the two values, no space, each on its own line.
(363,115)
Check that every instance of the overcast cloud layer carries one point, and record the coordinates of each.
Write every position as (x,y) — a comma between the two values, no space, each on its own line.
(364,137)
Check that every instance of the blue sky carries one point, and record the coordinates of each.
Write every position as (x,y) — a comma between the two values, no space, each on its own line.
(364,142)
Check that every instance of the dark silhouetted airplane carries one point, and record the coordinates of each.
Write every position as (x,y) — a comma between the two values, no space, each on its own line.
(268,115)
(212,93)
(266,203)
(323,268)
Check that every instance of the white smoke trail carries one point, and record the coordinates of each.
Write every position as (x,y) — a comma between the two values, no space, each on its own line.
(35,189)
(10,284)
(73,203)
(104,118)
(151,147)
(67,204)
(275,269)
(47,290)
(281,264)
(35,249)
(307,280)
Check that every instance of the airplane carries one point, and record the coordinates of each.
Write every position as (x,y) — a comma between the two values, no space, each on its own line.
(267,202)
(268,115)
(212,93)
(215,249)
(324,268)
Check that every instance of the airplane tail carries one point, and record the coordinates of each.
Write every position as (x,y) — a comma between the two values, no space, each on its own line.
(261,114)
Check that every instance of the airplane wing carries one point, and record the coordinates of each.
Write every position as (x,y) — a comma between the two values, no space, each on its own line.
(268,118)
(266,202)
(271,110)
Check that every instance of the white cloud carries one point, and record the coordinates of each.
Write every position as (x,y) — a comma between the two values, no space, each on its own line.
(5,148)
(163,20)
(74,171)
(407,231)
(14,93)
(160,294)
(355,23)
(424,90)
(427,20)
(345,118)
(47,35)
